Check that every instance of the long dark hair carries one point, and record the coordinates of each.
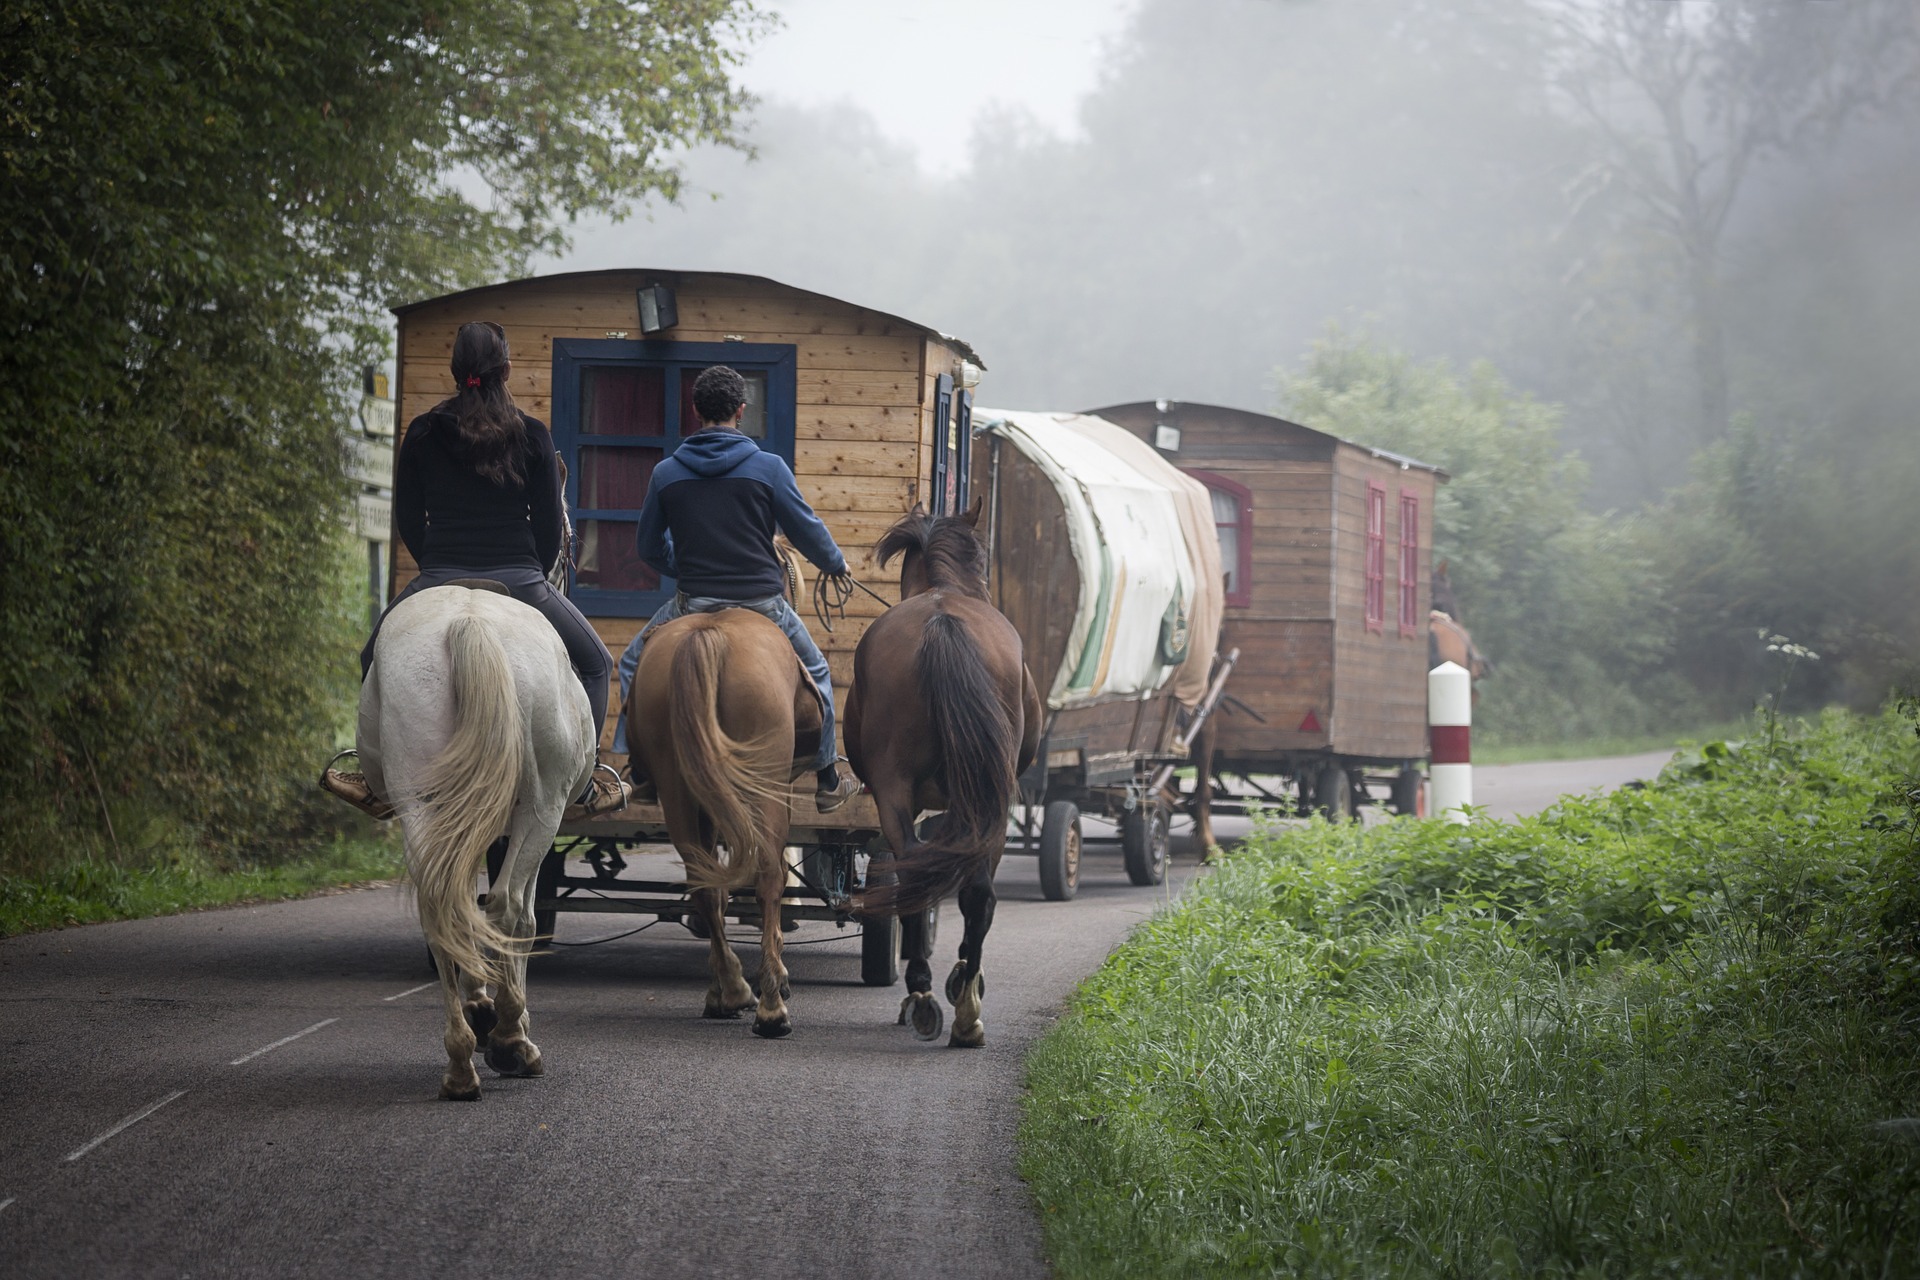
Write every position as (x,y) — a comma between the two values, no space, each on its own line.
(491,431)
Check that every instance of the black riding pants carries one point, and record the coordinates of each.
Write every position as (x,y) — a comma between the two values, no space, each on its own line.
(589,656)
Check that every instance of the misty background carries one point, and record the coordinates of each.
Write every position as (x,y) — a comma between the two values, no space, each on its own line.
(1674,240)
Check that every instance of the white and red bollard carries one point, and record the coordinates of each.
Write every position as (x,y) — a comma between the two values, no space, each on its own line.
(1450,739)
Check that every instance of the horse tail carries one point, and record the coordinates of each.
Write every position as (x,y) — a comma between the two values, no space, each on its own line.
(977,740)
(716,768)
(466,797)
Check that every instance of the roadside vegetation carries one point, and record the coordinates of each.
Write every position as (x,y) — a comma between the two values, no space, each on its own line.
(210,209)
(1674,1030)
(89,890)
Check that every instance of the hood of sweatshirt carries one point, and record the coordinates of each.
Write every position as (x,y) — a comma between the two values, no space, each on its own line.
(714,453)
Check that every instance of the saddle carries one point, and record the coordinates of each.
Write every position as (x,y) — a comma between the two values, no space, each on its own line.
(478,584)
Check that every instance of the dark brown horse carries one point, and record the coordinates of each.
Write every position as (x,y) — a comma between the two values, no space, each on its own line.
(722,717)
(943,715)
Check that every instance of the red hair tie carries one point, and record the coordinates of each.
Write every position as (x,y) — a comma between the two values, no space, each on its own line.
(473,380)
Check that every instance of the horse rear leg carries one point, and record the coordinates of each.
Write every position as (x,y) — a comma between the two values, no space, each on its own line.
(728,993)
(893,797)
(967,983)
(510,906)
(772,1020)
(461,1083)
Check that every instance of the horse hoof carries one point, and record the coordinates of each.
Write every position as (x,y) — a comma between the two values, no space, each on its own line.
(928,1017)
(470,1093)
(720,1013)
(773,1028)
(970,1040)
(481,1019)
(956,982)
(515,1058)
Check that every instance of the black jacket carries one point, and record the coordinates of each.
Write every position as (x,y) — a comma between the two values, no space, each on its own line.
(450,516)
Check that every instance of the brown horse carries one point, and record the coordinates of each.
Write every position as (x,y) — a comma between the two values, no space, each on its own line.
(734,720)
(943,715)
(1448,641)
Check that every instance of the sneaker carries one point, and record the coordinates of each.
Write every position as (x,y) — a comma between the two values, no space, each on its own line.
(353,788)
(605,794)
(827,799)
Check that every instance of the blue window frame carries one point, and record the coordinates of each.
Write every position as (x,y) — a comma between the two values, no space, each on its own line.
(619,408)
(952,447)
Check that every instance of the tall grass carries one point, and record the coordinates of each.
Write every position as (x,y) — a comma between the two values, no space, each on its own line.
(1671,1031)
(83,889)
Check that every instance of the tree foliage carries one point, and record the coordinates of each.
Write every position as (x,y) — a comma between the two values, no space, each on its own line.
(207,206)
(1562,599)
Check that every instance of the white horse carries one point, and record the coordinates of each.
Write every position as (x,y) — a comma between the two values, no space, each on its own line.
(474,725)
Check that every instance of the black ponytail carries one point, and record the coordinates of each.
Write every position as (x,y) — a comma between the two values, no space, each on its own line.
(490,427)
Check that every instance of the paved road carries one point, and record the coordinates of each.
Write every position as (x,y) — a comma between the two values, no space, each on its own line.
(251,1092)
(657,1144)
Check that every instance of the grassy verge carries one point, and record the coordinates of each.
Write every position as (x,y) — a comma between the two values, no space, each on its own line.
(86,891)
(1670,1031)
(1496,752)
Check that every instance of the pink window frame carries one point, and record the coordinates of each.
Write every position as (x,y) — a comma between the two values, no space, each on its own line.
(1376,564)
(1409,576)
(1243,560)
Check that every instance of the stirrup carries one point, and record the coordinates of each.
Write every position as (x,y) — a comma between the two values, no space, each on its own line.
(598,801)
(353,788)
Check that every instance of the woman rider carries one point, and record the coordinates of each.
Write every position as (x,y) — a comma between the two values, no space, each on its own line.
(476,494)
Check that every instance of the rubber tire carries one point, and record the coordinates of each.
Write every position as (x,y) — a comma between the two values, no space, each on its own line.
(1333,793)
(880,951)
(933,932)
(1405,797)
(1144,844)
(1060,849)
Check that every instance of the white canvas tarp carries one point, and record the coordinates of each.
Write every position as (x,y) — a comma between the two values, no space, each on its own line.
(1142,535)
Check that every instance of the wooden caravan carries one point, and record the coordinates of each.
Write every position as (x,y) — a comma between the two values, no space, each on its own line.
(869,409)
(848,396)
(1327,547)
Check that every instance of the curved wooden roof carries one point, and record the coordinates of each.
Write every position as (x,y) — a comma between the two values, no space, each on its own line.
(674,277)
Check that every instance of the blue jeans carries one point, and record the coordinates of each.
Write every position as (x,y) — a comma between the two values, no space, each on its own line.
(774,608)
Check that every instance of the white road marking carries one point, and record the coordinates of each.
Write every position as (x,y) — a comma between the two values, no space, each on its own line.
(4,1203)
(248,1057)
(128,1123)
(411,991)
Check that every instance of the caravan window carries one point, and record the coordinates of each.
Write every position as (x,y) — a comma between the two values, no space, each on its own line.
(619,407)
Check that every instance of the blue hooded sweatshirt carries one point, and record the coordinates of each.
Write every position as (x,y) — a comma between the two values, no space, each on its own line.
(711,513)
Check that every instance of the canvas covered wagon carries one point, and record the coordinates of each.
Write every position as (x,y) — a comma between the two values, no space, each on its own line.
(1105,559)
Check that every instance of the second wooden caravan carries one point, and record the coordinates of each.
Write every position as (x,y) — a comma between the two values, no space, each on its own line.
(1327,549)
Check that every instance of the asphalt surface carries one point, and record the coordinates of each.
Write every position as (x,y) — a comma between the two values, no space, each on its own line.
(658,1143)
(252,1092)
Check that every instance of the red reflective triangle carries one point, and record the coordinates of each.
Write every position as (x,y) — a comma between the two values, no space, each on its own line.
(1311,724)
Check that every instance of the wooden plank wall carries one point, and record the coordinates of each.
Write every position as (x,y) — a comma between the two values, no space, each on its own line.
(864,419)
(1285,630)
(1380,681)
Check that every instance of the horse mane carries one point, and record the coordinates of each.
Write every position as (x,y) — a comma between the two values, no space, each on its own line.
(948,547)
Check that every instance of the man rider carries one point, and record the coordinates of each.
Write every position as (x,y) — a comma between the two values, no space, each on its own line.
(708,522)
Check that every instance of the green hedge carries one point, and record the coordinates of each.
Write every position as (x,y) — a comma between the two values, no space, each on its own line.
(1669,1031)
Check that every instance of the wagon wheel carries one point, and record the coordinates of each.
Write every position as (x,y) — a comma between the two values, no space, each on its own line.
(1406,790)
(1060,851)
(1333,793)
(1144,840)
(880,951)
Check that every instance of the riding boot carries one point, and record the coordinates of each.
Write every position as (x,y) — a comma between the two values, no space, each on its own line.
(354,789)
(605,793)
